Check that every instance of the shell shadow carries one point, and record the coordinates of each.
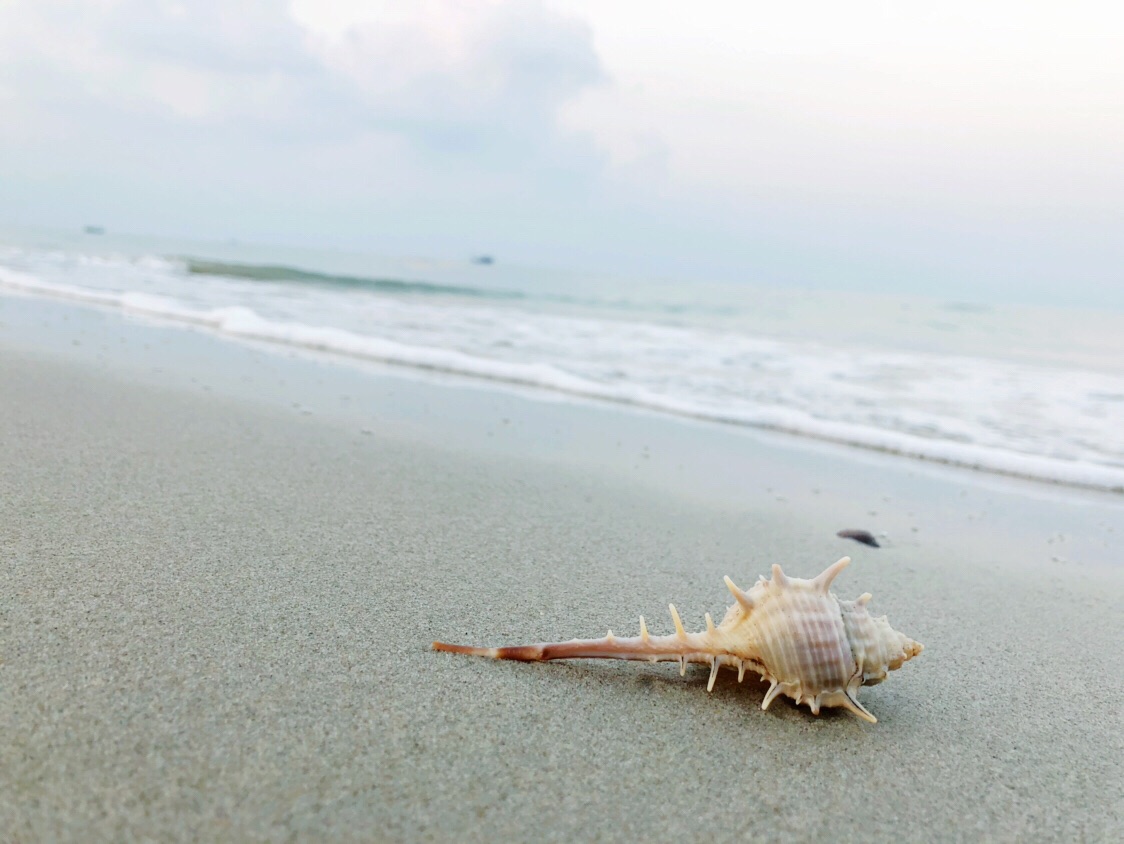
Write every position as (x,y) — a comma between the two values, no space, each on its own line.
(665,679)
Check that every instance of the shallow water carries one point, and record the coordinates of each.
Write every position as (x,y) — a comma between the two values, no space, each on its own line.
(1032,391)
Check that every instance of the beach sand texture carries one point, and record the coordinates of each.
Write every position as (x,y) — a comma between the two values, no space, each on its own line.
(216,615)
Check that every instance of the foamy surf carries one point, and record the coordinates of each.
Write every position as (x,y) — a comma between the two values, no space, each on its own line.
(944,410)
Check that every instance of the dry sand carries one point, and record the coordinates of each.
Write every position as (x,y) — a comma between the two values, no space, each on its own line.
(215,618)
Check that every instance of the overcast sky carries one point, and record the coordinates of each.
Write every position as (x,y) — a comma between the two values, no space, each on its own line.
(880,146)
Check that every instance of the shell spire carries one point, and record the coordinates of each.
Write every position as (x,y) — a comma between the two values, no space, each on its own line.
(796,634)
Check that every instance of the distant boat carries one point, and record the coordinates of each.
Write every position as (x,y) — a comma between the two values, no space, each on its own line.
(483,260)
(94,230)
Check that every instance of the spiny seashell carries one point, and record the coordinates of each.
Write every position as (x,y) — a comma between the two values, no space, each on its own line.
(809,645)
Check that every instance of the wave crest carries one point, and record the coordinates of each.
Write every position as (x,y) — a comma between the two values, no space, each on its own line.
(281,273)
(246,324)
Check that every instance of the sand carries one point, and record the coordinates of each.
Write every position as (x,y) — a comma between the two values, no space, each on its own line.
(218,591)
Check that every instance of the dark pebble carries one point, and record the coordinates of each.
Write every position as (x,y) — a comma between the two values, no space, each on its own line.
(863,536)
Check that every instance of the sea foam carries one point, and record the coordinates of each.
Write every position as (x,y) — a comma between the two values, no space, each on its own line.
(942,409)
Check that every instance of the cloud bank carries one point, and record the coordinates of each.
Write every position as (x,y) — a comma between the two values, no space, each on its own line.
(241,105)
(949,148)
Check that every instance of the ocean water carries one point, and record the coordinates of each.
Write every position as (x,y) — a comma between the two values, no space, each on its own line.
(1030,391)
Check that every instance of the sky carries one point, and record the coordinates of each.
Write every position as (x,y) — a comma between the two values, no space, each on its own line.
(966,149)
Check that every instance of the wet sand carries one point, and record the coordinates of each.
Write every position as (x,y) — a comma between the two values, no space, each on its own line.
(219,593)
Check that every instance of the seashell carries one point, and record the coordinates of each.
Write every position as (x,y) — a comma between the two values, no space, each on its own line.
(808,644)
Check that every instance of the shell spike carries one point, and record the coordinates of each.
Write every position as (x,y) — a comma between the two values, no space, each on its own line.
(715,664)
(849,702)
(644,636)
(679,631)
(771,695)
(823,580)
(709,624)
(779,577)
(741,596)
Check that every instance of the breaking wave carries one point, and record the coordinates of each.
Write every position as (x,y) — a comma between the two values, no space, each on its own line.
(662,369)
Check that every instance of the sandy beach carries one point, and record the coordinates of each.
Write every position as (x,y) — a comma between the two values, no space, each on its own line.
(222,569)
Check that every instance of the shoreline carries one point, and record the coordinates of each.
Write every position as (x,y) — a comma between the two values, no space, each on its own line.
(726,466)
(239,325)
(223,578)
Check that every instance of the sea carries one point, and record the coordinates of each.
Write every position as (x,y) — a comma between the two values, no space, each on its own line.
(1035,391)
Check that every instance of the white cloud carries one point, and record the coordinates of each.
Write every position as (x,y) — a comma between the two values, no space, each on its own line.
(449,66)
(1005,104)
(435,72)
(795,140)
